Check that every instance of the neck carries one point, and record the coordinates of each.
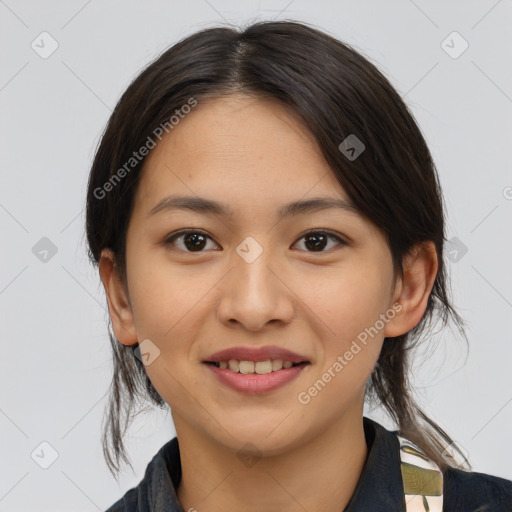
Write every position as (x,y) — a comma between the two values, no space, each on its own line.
(320,474)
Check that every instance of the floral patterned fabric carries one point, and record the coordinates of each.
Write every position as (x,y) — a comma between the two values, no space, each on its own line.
(422,479)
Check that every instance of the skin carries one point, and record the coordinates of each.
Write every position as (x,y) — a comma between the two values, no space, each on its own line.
(254,155)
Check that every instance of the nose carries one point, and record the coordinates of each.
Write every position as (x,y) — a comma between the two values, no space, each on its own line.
(256,293)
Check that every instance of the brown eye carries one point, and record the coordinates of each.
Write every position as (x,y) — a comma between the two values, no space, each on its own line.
(196,241)
(316,241)
(192,240)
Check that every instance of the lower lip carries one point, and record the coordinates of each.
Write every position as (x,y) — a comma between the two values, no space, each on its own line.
(254,384)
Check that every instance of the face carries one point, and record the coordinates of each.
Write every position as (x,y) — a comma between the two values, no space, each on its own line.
(253,278)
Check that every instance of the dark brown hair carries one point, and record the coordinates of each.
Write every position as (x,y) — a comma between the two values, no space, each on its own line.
(336,92)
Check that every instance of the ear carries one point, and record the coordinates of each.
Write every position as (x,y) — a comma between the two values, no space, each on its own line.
(118,301)
(413,289)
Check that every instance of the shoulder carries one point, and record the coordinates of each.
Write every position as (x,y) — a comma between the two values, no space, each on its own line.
(476,492)
(128,503)
(156,490)
(462,490)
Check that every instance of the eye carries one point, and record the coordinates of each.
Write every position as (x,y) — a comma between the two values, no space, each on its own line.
(195,240)
(317,239)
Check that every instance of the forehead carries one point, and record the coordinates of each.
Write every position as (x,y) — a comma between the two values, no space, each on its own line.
(243,150)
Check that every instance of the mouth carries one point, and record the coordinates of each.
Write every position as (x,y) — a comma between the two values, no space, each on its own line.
(256,377)
(256,367)
(256,370)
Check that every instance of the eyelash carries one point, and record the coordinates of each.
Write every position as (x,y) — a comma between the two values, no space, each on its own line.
(174,236)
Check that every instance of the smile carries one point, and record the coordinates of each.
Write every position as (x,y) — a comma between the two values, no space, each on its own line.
(256,377)
(258,367)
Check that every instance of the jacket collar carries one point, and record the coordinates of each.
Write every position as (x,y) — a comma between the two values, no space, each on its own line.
(379,488)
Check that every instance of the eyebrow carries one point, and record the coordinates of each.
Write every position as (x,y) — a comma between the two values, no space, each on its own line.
(209,206)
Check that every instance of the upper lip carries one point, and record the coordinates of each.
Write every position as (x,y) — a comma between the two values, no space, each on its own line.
(256,354)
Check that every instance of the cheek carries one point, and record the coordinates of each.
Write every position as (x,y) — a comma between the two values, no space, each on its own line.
(166,307)
(162,295)
(350,301)
(349,306)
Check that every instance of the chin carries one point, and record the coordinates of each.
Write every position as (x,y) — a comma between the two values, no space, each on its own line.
(264,440)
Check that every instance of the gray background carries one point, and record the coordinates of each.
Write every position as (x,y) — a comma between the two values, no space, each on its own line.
(56,362)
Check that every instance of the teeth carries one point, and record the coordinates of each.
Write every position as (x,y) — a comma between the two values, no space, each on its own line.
(259,367)
(262,367)
(277,364)
(246,367)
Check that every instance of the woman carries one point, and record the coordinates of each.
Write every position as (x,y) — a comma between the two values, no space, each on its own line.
(268,226)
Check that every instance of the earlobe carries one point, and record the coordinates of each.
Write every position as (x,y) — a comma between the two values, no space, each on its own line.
(119,306)
(413,289)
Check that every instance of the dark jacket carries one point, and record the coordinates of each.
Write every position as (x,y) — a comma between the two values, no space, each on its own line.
(380,487)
